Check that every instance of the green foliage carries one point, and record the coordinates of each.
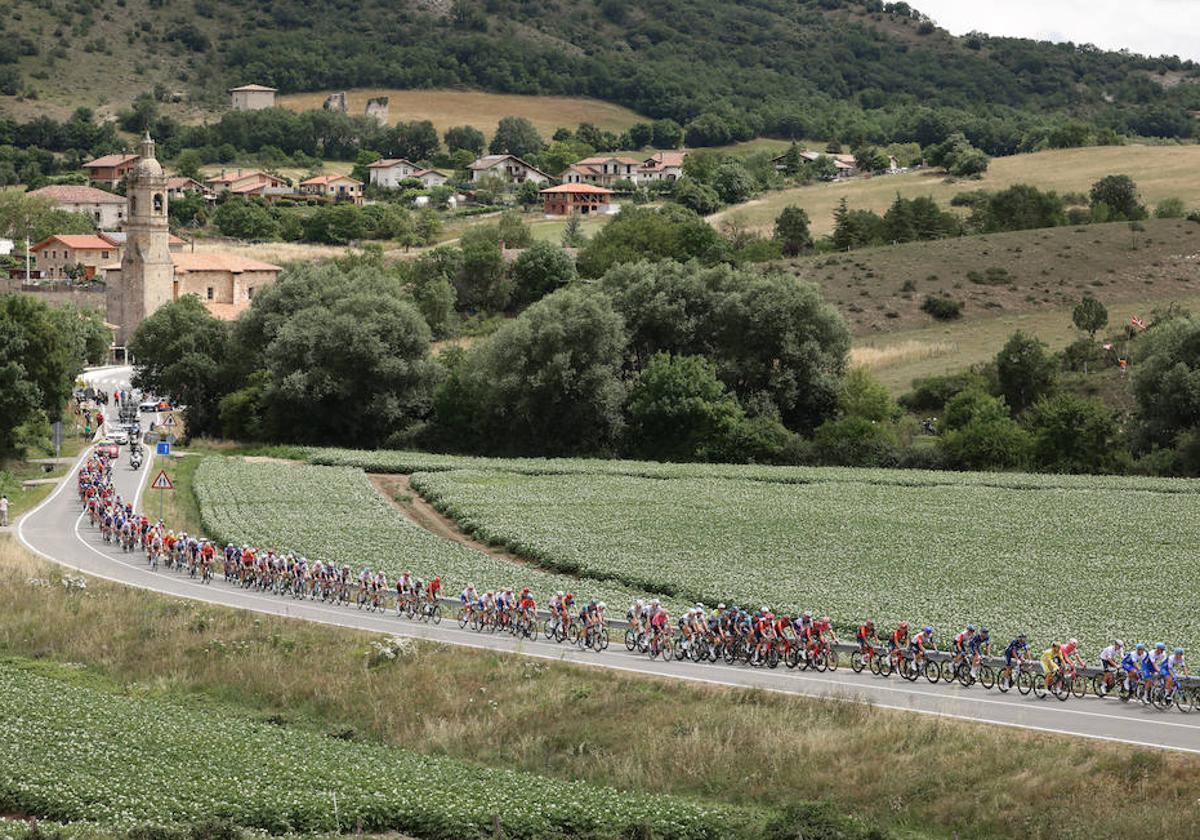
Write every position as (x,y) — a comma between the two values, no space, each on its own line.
(481,281)
(791,231)
(243,219)
(1020,207)
(855,441)
(513,231)
(987,442)
(1025,371)
(910,220)
(1118,195)
(698,197)
(642,233)
(1170,208)
(1166,383)
(1090,316)
(182,350)
(1072,435)
(933,392)
(516,136)
(666,134)
(542,269)
(863,396)
(465,137)
(680,411)
(820,821)
(24,215)
(941,307)
(337,224)
(188,164)
(732,183)
(957,156)
(415,141)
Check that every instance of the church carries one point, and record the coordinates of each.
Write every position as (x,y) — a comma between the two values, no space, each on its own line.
(150,275)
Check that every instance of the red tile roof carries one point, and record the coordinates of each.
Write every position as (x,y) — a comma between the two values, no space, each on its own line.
(76,194)
(110,160)
(253,87)
(595,159)
(591,189)
(321,180)
(388,163)
(665,159)
(180,182)
(78,242)
(219,261)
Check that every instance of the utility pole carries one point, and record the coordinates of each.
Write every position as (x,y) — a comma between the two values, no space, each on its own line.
(27,259)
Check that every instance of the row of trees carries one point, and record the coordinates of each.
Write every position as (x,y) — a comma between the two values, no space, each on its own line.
(337,224)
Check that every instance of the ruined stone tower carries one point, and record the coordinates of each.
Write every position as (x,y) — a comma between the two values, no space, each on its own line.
(146,279)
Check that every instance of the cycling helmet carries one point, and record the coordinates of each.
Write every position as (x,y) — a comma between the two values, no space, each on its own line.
(970,628)
(1074,643)
(699,606)
(928,631)
(903,625)
(983,631)
(602,605)
(1179,651)
(1160,646)
(1118,643)
(559,593)
(654,602)
(1141,646)
(808,614)
(870,622)
(764,610)
(1021,637)
(720,606)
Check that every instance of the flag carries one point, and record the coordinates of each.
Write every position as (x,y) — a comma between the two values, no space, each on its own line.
(1108,346)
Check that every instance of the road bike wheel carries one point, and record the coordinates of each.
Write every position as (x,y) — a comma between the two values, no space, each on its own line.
(1061,689)
(884,666)
(831,660)
(1185,700)
(630,639)
(1004,680)
(1079,687)
(987,677)
(667,649)
(856,662)
(601,641)
(464,618)
(1038,684)
(772,657)
(945,670)
(933,671)
(908,669)
(819,661)
(963,675)
(577,635)
(435,615)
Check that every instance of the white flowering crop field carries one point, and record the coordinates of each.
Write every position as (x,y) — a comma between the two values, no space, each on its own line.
(1090,558)
(72,753)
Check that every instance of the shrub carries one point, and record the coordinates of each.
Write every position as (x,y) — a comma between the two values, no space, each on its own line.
(994,276)
(932,393)
(855,442)
(1170,208)
(942,308)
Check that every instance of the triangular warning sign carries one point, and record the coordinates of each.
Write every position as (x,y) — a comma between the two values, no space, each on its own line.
(161,482)
(170,421)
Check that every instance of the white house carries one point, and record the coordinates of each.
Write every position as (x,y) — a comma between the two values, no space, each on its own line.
(603,170)
(391,171)
(509,167)
(662,166)
(106,209)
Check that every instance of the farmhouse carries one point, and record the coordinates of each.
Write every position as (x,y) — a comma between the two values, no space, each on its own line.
(251,98)
(585,199)
(431,177)
(389,172)
(181,187)
(64,256)
(109,170)
(605,170)
(106,209)
(334,188)
(663,166)
(509,167)
(247,182)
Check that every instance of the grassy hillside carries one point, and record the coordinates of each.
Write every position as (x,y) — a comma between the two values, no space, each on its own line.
(1160,172)
(784,67)
(446,108)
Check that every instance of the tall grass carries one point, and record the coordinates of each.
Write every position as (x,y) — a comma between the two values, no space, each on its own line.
(737,746)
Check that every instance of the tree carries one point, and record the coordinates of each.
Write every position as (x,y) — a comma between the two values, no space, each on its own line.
(572,233)
(1170,208)
(644,233)
(413,141)
(666,134)
(708,129)
(991,443)
(679,410)
(529,194)
(641,135)
(23,215)
(182,350)
(870,159)
(823,168)
(791,231)
(242,219)
(1090,316)
(513,231)
(428,226)
(732,182)
(362,165)
(465,137)
(543,268)
(1072,435)
(863,396)
(481,281)
(1025,371)
(695,196)
(792,161)
(549,381)
(1119,194)
(516,136)
(1020,207)
(188,164)
(20,399)
(1166,383)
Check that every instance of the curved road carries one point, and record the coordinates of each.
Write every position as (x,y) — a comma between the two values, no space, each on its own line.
(57,531)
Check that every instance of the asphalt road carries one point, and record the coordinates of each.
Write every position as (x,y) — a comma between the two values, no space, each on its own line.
(57,530)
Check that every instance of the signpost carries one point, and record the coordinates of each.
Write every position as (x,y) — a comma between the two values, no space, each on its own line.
(58,438)
(162,482)
(170,421)
(163,448)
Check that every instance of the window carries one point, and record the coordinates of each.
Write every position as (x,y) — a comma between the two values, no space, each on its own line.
(158,203)
(250,292)
(104,255)
(210,292)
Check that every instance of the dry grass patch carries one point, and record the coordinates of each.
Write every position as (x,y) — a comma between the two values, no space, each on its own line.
(741,746)
(278,253)
(446,108)
(874,357)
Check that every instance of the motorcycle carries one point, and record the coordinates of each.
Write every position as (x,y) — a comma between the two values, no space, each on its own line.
(135,461)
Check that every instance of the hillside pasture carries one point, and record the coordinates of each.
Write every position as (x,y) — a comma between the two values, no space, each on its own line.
(446,108)
(1160,171)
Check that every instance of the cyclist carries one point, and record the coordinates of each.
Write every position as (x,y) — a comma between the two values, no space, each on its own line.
(1052,661)
(1014,655)
(962,643)
(866,638)
(979,646)
(919,643)
(1156,662)
(1071,655)
(466,598)
(1174,665)
(634,616)
(898,642)
(1132,663)
(1110,662)
(434,590)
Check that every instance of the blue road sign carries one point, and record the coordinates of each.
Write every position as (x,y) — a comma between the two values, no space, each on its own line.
(163,448)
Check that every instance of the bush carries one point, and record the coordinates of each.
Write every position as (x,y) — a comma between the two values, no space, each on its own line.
(994,276)
(942,308)
(932,393)
(1170,208)
(819,821)
(856,442)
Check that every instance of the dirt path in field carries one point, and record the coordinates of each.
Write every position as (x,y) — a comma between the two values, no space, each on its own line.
(399,492)
(267,459)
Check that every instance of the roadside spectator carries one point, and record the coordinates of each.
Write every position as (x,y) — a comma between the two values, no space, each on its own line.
(3,511)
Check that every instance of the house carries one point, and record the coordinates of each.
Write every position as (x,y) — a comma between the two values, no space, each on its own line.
(117,239)
(605,170)
(225,283)
(431,177)
(110,170)
(106,209)
(181,187)
(662,166)
(585,199)
(390,172)
(246,182)
(57,256)
(844,165)
(251,98)
(334,188)
(509,167)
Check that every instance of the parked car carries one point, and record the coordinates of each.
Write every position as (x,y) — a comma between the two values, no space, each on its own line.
(148,407)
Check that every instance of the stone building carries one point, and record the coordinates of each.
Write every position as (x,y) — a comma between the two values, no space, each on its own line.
(151,275)
(251,97)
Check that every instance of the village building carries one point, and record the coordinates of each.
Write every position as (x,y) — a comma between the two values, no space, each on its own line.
(509,167)
(334,188)
(431,177)
(584,199)
(181,187)
(662,166)
(149,275)
(110,170)
(105,209)
(249,182)
(605,170)
(72,257)
(251,98)
(389,172)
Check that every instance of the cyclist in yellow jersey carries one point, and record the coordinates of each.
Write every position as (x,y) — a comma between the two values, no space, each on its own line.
(1052,660)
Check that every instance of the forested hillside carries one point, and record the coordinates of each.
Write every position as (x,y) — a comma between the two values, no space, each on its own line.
(732,68)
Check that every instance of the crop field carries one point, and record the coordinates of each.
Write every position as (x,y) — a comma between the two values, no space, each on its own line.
(446,108)
(1091,561)
(77,753)
(333,514)
(1160,172)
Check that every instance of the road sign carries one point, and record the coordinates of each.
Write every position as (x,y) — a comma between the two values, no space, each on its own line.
(163,448)
(170,421)
(162,482)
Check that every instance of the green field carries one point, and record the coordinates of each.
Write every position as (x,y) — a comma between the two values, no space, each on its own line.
(1049,555)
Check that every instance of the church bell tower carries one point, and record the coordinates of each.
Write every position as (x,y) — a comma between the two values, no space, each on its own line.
(147,277)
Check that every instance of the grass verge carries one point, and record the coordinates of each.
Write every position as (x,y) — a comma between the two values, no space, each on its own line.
(917,775)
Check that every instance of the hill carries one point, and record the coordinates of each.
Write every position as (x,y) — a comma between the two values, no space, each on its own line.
(733,69)
(1160,172)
